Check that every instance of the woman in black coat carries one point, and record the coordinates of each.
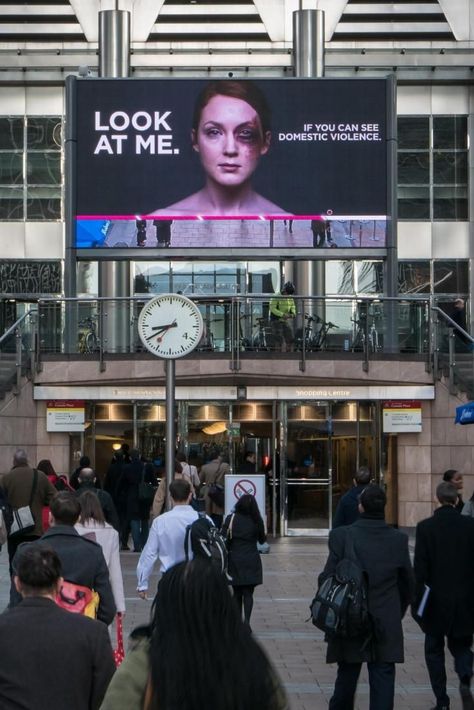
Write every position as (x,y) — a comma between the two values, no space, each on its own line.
(243,529)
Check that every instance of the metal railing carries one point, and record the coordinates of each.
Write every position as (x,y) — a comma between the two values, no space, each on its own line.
(359,328)
(453,353)
(17,346)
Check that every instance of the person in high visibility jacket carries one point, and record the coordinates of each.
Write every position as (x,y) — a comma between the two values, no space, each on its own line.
(282,313)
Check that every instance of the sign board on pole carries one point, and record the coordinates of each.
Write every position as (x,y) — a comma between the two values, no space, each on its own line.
(402,416)
(65,415)
(236,486)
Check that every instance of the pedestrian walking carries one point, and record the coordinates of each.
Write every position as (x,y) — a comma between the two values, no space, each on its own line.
(160,496)
(243,529)
(87,483)
(25,486)
(213,473)
(382,553)
(197,652)
(92,524)
(455,477)
(138,510)
(347,511)
(166,539)
(444,606)
(51,659)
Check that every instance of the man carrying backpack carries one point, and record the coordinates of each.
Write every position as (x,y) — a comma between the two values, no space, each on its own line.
(381,552)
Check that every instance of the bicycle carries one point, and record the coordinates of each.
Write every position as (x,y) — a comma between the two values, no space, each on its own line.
(307,336)
(88,340)
(262,340)
(322,334)
(361,335)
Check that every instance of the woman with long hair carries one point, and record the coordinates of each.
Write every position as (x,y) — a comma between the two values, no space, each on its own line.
(243,529)
(91,524)
(60,482)
(196,653)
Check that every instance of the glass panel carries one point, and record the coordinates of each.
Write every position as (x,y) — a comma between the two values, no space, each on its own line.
(11,133)
(369,276)
(307,467)
(413,168)
(414,203)
(87,278)
(451,277)
(43,168)
(450,203)
(450,132)
(42,132)
(413,132)
(151,277)
(11,168)
(339,277)
(414,277)
(151,431)
(11,203)
(208,427)
(43,209)
(449,168)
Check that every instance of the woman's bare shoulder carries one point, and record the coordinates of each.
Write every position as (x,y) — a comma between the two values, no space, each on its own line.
(190,205)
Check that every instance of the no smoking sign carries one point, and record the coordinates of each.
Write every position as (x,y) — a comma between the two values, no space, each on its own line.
(245,487)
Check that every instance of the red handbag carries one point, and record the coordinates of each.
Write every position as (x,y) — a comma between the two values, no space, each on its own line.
(119,651)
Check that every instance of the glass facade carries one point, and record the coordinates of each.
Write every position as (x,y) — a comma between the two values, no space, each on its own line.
(433,168)
(30,168)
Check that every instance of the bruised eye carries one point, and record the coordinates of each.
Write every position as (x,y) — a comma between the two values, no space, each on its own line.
(212,132)
(248,135)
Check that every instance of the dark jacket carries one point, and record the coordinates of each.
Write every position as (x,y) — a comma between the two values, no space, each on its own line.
(82,562)
(133,473)
(347,511)
(244,564)
(52,659)
(382,552)
(17,485)
(106,503)
(444,560)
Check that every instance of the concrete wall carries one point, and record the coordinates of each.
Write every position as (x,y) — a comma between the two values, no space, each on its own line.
(423,458)
(23,425)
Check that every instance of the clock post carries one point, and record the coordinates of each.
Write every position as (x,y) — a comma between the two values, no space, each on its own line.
(170,326)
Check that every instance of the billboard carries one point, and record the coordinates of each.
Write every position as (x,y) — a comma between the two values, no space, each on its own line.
(192,163)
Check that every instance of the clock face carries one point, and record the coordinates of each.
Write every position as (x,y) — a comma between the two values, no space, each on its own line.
(170,326)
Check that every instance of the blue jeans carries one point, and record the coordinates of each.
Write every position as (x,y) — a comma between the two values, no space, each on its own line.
(381,681)
(139,529)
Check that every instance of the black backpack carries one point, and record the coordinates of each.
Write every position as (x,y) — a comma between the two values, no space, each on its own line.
(340,607)
(205,540)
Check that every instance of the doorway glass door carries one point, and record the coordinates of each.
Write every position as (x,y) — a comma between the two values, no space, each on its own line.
(306,469)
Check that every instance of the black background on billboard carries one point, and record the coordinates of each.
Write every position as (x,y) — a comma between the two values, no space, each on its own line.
(301,177)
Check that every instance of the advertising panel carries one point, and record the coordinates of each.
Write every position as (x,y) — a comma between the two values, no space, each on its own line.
(192,163)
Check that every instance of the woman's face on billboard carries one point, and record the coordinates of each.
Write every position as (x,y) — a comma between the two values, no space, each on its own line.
(229,140)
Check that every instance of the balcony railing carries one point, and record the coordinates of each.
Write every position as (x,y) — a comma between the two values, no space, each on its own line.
(453,350)
(16,347)
(243,326)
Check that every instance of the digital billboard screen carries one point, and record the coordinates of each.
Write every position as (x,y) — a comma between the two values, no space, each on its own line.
(193,163)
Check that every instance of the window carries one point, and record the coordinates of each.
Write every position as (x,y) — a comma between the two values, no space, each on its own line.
(30,168)
(432,168)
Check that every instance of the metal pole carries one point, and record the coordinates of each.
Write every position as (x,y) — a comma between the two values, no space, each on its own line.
(170,427)
(114,62)
(308,53)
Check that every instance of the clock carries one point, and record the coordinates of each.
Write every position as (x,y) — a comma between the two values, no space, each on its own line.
(170,326)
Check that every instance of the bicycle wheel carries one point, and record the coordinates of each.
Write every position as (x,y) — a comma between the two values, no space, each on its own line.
(91,343)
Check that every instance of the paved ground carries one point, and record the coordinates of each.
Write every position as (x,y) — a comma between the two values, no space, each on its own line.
(296,648)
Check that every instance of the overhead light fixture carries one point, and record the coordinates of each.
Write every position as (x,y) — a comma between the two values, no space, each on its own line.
(117,446)
(215,428)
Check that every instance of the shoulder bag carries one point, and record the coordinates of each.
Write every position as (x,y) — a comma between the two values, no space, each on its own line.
(146,491)
(23,521)
(215,492)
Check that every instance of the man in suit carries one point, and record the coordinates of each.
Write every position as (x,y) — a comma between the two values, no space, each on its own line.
(444,554)
(382,552)
(82,560)
(347,511)
(87,482)
(50,658)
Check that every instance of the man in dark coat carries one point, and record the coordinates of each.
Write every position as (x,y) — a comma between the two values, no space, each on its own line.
(382,553)
(444,554)
(87,482)
(50,658)
(347,511)
(18,486)
(82,560)
(138,511)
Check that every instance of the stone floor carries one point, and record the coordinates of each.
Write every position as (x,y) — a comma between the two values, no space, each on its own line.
(296,648)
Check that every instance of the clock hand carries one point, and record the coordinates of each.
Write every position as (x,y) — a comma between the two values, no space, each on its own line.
(174,324)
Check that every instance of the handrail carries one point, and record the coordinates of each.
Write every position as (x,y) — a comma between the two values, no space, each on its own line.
(453,323)
(11,330)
